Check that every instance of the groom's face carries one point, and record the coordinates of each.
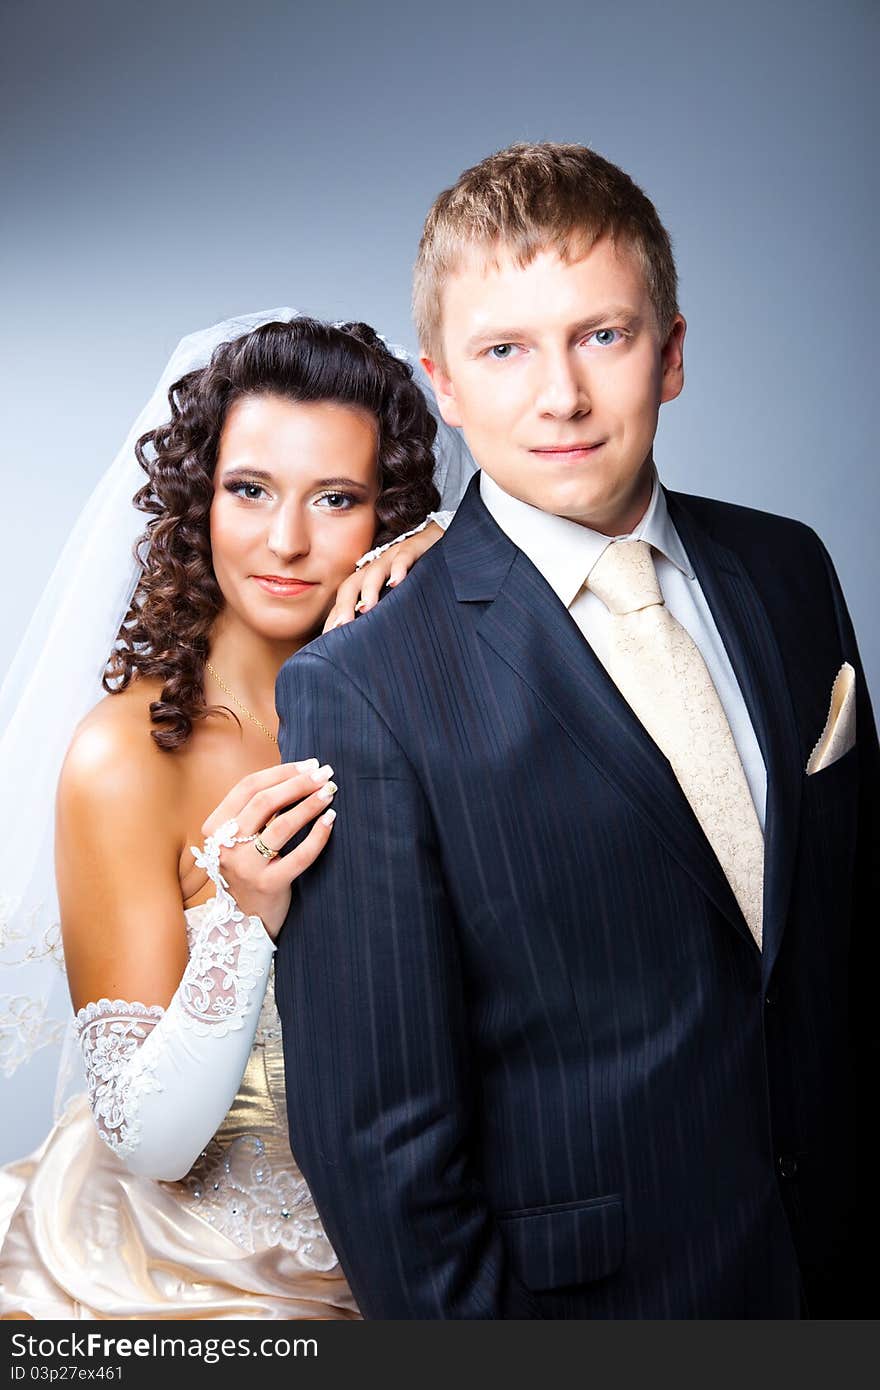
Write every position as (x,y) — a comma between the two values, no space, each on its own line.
(555,372)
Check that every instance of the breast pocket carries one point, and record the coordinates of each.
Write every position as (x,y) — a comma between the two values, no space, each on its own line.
(831,795)
(571,1243)
(829,839)
(838,773)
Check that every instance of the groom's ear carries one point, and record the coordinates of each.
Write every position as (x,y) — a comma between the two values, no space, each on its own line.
(443,390)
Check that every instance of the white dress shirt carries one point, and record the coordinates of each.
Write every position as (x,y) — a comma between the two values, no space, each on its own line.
(564,552)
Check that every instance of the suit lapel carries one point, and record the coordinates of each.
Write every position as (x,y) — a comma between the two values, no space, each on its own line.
(753,649)
(534,634)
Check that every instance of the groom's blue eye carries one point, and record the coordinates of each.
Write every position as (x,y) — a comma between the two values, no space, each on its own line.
(605,337)
(504,349)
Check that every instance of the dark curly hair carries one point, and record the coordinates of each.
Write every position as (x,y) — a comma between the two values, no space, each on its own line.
(166,632)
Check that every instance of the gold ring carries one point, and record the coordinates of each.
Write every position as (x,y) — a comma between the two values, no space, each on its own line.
(266,852)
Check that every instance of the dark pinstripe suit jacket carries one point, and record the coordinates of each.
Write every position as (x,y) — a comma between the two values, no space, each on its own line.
(536,1065)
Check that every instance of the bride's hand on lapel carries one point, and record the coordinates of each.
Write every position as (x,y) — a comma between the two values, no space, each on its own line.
(252,825)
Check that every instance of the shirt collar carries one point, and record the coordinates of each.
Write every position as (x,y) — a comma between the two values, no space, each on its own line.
(657,529)
(565,552)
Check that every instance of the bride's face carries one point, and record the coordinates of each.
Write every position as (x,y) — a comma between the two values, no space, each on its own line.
(294,508)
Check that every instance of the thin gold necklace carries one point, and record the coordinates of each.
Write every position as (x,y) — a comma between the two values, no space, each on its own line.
(232,695)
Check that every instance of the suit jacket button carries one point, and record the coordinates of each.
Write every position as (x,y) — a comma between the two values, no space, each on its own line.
(787,1165)
(770,998)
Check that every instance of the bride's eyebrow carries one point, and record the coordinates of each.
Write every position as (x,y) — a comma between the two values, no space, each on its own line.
(342,482)
(244,471)
(260,475)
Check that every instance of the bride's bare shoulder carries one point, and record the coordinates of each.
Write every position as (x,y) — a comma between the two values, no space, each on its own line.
(119,832)
(112,751)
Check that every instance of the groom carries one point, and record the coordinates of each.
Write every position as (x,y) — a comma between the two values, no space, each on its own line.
(578,1005)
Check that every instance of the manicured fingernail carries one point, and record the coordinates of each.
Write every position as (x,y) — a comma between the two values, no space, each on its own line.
(390,583)
(309,765)
(327,791)
(323,773)
(338,623)
(359,606)
(328,817)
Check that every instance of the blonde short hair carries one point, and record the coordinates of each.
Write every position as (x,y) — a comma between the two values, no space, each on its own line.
(527,198)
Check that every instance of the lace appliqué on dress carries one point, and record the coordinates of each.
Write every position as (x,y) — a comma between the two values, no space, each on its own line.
(236,1189)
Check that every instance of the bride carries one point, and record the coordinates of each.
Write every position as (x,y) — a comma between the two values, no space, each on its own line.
(167,1188)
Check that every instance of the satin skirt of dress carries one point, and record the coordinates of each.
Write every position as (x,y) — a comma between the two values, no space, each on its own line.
(86,1239)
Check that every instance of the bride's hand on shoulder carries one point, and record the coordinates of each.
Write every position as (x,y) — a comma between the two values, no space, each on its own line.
(255,821)
(360,592)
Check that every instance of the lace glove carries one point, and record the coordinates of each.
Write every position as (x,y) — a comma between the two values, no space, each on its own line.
(161,1081)
(442,519)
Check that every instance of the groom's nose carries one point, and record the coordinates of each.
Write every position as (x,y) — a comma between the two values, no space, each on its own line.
(288,533)
(562,391)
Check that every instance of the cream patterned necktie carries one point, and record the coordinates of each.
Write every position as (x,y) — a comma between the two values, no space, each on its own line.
(658,669)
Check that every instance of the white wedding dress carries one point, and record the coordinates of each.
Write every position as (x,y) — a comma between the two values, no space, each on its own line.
(238,1237)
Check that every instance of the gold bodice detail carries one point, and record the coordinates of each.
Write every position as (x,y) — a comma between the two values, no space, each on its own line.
(246,1183)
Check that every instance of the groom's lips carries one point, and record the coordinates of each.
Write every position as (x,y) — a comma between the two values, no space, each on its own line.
(568,453)
(280,587)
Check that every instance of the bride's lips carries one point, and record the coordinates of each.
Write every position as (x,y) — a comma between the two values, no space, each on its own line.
(283,588)
(569,453)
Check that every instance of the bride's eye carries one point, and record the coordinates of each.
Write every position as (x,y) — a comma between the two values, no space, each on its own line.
(251,492)
(338,501)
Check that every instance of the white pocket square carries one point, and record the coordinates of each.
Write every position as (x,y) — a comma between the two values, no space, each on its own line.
(839,733)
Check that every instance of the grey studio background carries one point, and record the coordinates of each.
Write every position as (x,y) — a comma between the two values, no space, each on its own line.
(165,166)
